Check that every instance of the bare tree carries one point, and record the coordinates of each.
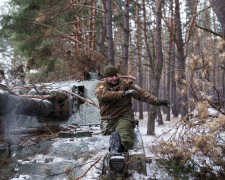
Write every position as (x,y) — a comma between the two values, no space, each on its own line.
(126,36)
(109,34)
(219,8)
(139,56)
(102,38)
(158,69)
(181,61)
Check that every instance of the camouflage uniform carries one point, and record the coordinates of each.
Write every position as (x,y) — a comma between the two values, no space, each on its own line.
(116,110)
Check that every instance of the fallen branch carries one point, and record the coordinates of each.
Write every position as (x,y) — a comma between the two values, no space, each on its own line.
(80,98)
(126,166)
(49,130)
(37,96)
(39,93)
(88,169)
(129,77)
(5,88)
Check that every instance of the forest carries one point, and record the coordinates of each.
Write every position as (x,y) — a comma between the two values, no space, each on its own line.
(174,49)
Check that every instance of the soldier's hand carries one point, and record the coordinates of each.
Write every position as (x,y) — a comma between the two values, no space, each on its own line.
(130,92)
(163,102)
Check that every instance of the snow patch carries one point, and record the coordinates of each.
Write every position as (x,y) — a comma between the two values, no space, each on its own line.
(22,177)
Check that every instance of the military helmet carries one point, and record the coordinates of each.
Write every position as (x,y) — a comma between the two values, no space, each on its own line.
(110,71)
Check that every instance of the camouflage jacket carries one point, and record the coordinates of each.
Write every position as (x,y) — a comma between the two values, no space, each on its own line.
(113,104)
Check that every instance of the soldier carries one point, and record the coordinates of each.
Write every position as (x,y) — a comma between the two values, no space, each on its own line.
(117,117)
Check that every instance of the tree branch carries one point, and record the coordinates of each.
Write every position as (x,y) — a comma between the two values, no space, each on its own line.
(196,15)
(66,36)
(37,96)
(88,169)
(80,97)
(171,30)
(91,7)
(209,30)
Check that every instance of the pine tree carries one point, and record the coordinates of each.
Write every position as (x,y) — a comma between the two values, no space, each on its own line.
(46,32)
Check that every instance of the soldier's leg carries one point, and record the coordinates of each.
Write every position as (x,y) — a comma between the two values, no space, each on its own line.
(125,127)
(108,128)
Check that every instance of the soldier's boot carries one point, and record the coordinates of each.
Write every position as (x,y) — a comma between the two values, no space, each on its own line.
(117,161)
(115,143)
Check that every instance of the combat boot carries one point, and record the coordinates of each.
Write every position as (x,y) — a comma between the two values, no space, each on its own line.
(117,161)
(115,143)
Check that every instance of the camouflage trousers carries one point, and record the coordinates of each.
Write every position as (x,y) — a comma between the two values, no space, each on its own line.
(124,126)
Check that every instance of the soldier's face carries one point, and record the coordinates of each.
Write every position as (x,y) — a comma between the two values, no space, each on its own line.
(113,79)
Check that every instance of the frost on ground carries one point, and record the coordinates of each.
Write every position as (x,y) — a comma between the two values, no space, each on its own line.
(152,169)
(22,177)
(78,157)
(193,146)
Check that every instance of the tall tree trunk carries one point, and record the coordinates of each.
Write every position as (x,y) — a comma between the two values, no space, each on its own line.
(159,115)
(90,25)
(102,48)
(84,33)
(120,41)
(126,36)
(149,56)
(181,61)
(109,33)
(93,25)
(190,29)
(148,52)
(139,54)
(131,59)
(158,69)
(219,8)
(173,100)
(170,60)
(214,53)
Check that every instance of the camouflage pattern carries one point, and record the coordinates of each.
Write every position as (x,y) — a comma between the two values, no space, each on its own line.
(124,126)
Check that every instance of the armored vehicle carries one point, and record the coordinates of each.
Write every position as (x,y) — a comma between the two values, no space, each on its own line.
(72,109)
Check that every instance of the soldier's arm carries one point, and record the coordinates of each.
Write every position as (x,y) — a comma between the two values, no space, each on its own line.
(103,94)
(143,95)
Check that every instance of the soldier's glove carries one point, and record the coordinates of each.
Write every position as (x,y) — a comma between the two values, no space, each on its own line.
(129,92)
(163,102)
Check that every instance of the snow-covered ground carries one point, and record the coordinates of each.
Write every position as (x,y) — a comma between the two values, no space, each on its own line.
(148,140)
(159,129)
(77,155)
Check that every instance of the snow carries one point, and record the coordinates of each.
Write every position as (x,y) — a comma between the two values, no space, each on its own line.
(22,177)
(152,169)
(148,140)
(117,157)
(2,2)
(213,112)
(85,151)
